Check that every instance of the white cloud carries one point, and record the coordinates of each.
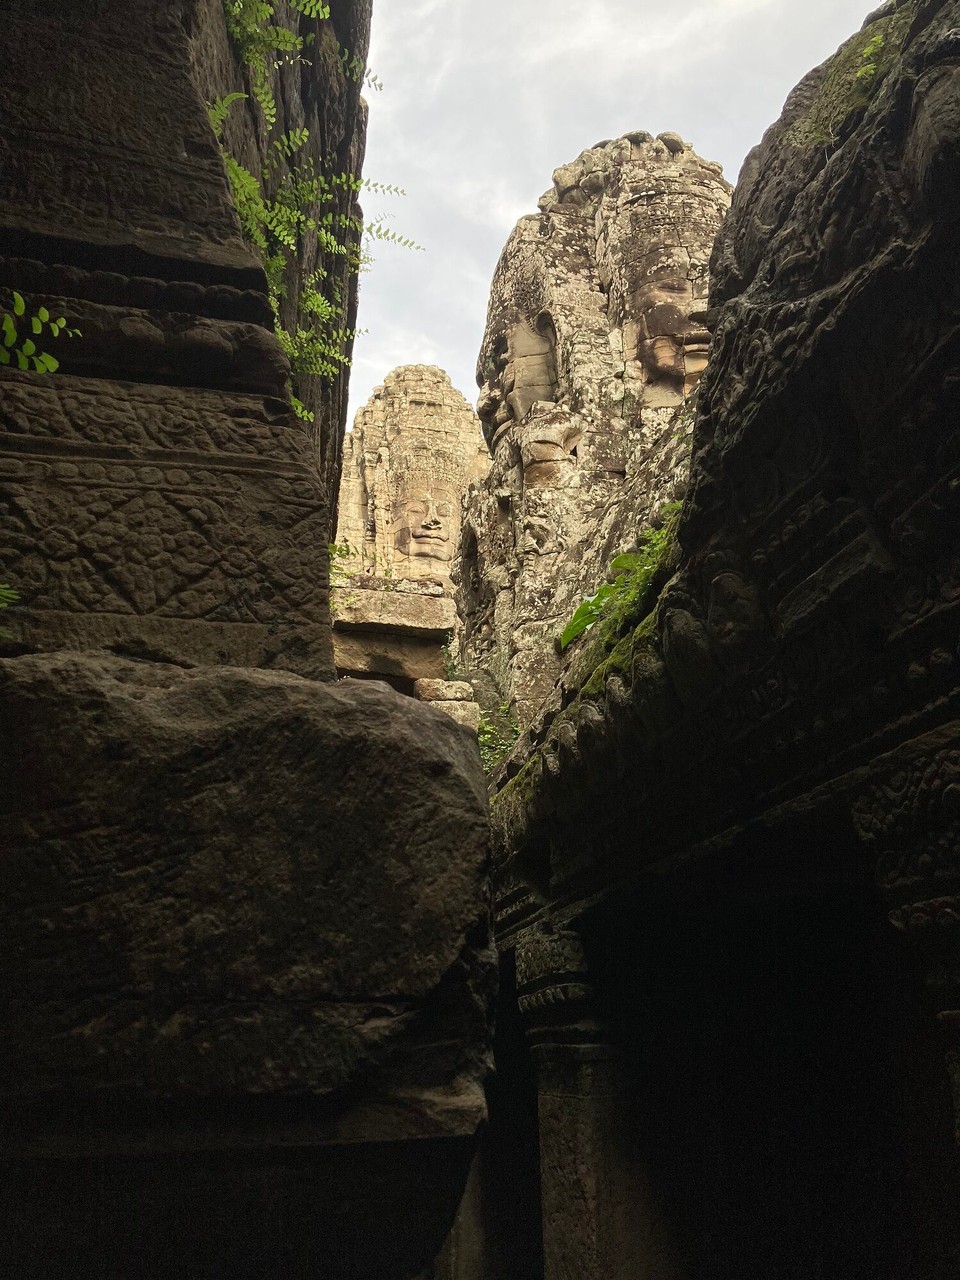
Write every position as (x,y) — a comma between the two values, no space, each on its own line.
(483,101)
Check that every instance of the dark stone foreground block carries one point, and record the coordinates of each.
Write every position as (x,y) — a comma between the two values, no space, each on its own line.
(243,940)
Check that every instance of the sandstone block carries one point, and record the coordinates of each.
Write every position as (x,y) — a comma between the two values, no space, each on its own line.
(465,713)
(444,690)
(415,615)
(389,655)
(227,859)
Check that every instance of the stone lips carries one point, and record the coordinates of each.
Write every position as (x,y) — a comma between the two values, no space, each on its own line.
(242,882)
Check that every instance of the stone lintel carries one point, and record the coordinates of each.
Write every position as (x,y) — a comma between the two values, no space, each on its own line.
(444,691)
(393,611)
(389,654)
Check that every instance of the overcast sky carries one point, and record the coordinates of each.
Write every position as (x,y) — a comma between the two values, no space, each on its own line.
(483,100)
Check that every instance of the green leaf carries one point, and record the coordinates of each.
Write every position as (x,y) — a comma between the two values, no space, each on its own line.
(19,306)
(625,563)
(22,360)
(583,619)
(4,355)
(9,330)
(50,363)
(29,347)
(44,314)
(35,324)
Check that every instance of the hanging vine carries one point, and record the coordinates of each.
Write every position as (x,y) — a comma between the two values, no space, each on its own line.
(304,198)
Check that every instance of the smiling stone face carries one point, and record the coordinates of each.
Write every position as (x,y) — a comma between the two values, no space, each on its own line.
(414,448)
(426,524)
(670,345)
(521,372)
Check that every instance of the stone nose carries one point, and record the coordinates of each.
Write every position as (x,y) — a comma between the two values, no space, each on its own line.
(430,521)
(489,401)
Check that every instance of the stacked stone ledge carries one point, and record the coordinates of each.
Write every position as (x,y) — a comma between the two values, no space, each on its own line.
(455,697)
(414,449)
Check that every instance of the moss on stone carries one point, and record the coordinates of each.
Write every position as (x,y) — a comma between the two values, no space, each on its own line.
(851,76)
(634,601)
(510,805)
(619,662)
(615,645)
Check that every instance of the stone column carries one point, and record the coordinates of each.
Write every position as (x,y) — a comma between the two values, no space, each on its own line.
(600,1220)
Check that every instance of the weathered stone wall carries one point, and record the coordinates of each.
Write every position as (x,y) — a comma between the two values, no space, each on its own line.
(594,337)
(202,530)
(726,849)
(202,836)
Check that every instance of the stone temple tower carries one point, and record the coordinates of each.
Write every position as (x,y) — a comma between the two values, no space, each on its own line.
(415,446)
(414,449)
(595,338)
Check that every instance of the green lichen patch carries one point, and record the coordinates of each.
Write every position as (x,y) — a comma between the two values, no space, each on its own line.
(620,644)
(851,76)
(496,734)
(510,807)
(619,604)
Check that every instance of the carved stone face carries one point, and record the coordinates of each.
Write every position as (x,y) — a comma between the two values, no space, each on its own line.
(522,371)
(670,346)
(426,525)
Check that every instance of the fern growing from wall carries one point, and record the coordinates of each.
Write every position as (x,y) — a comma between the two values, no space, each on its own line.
(304,199)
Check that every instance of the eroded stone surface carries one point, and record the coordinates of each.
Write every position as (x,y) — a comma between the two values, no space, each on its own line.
(594,337)
(310,909)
